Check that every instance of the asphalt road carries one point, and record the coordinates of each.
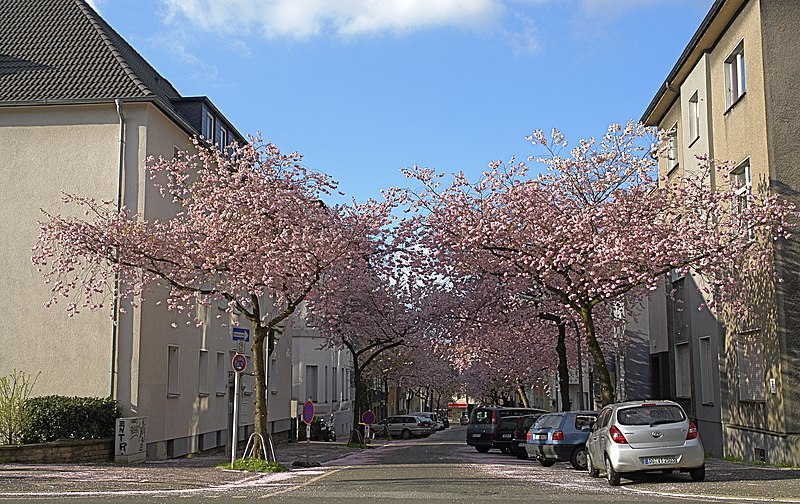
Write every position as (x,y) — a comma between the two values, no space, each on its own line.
(438,469)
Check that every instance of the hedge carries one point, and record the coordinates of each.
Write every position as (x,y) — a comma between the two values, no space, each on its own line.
(56,417)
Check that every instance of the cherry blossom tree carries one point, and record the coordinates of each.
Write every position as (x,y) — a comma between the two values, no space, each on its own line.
(370,312)
(596,224)
(249,230)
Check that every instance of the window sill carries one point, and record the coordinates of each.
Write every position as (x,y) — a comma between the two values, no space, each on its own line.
(672,169)
(172,395)
(733,104)
(694,141)
(221,394)
(202,394)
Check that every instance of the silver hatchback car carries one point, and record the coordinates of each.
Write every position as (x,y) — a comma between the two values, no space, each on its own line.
(644,436)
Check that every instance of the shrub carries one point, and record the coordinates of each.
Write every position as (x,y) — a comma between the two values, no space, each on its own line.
(14,391)
(56,417)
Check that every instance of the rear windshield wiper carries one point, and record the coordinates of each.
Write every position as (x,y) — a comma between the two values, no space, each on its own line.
(659,422)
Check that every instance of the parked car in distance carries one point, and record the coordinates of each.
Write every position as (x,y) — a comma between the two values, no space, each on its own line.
(520,436)
(408,426)
(561,437)
(484,428)
(644,436)
(433,417)
(464,419)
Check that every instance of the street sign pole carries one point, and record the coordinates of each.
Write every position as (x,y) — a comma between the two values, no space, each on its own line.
(235,424)
(308,417)
(239,364)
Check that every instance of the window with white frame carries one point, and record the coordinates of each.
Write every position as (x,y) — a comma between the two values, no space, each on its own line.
(222,140)
(209,127)
(672,153)
(173,370)
(735,82)
(222,375)
(742,182)
(694,118)
(707,374)
(751,366)
(311,383)
(683,378)
(202,373)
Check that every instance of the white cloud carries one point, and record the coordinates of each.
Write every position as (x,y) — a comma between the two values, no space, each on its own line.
(301,19)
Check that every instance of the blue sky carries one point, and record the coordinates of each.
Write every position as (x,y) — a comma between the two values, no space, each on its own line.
(364,88)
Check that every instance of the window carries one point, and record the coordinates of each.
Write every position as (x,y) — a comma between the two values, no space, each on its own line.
(742,182)
(326,384)
(750,360)
(273,376)
(222,140)
(222,375)
(694,118)
(735,82)
(672,154)
(173,370)
(311,383)
(209,127)
(334,378)
(345,385)
(683,379)
(706,371)
(202,374)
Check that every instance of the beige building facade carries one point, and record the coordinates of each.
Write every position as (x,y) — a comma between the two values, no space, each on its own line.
(734,96)
(80,113)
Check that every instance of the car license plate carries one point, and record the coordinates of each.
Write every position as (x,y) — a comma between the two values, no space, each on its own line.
(660,460)
(541,437)
(506,436)
(474,435)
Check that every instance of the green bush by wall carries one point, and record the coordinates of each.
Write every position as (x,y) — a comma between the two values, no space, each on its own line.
(56,417)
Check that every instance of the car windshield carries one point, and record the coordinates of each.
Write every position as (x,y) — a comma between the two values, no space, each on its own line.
(650,415)
(548,422)
(584,422)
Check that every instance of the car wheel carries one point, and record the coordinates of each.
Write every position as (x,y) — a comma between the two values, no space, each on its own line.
(611,474)
(406,434)
(698,473)
(546,462)
(481,449)
(578,458)
(593,471)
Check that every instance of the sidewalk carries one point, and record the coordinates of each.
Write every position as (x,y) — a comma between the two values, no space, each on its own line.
(180,475)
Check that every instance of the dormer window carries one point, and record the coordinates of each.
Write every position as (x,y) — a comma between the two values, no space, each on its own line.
(209,126)
(222,140)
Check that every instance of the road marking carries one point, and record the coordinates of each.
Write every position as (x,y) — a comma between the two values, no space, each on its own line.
(301,485)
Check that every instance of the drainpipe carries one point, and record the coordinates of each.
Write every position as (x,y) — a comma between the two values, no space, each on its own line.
(115,312)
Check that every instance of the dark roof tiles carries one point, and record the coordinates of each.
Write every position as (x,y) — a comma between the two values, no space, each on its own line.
(61,50)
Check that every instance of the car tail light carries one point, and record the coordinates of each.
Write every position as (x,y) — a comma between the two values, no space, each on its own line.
(616,435)
(420,424)
(692,434)
(515,434)
(558,435)
(494,418)
(528,436)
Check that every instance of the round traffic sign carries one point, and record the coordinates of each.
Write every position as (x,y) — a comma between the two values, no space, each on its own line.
(239,362)
(308,412)
(368,417)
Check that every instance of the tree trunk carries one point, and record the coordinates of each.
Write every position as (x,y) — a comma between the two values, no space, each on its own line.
(358,406)
(523,397)
(260,335)
(603,376)
(563,369)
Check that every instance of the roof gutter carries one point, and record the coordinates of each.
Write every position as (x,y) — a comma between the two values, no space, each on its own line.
(115,312)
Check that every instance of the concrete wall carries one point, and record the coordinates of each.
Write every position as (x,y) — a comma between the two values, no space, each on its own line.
(45,151)
(780,20)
